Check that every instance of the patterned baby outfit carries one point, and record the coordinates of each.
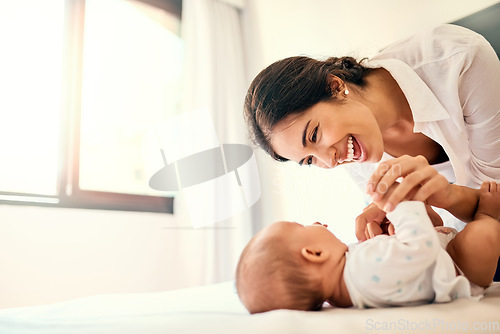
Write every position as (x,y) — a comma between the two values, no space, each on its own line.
(408,268)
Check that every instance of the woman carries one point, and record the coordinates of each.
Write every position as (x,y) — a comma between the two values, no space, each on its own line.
(423,107)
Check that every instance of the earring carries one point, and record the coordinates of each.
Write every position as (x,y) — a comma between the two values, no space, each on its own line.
(346,92)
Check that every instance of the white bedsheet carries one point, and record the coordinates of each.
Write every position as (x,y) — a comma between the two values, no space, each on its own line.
(217,309)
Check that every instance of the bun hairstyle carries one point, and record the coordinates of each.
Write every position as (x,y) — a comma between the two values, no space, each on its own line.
(291,86)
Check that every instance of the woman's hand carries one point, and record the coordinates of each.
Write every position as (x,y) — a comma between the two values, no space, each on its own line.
(418,181)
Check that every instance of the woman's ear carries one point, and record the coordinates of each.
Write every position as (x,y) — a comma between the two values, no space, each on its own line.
(314,254)
(336,85)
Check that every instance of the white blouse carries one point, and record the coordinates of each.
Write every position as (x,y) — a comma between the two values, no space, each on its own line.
(450,76)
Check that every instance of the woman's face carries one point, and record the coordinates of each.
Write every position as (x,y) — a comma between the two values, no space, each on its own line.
(329,134)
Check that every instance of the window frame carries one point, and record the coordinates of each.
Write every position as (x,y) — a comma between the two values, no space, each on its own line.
(69,195)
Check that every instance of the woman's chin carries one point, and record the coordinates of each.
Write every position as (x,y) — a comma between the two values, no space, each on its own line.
(374,156)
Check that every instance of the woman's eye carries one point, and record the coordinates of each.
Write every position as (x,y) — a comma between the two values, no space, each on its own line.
(309,161)
(314,135)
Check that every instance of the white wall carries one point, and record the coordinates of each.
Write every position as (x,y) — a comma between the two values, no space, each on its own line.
(53,254)
(49,255)
(338,27)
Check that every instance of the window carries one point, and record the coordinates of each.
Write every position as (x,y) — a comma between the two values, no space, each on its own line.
(30,87)
(82,84)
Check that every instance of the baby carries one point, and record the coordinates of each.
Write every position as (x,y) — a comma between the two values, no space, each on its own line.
(291,266)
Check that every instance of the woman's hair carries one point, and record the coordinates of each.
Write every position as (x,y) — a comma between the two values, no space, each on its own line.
(276,264)
(291,86)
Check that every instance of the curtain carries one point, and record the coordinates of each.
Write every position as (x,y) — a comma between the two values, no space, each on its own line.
(214,81)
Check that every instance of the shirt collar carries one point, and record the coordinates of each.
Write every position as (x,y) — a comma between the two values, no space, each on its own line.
(424,105)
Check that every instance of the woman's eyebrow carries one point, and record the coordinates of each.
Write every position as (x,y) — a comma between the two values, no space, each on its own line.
(305,134)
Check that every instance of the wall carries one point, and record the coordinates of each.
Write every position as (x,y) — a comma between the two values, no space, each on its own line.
(49,255)
(333,27)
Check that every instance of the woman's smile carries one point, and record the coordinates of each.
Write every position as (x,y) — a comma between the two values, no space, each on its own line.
(356,151)
(328,135)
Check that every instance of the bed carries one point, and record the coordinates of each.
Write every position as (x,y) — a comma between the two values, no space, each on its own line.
(217,309)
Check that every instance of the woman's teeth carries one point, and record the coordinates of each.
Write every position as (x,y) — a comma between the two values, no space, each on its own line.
(350,149)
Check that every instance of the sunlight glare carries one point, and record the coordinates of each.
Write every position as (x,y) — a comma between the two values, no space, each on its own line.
(31,34)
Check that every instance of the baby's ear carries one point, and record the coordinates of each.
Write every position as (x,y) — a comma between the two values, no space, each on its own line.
(314,254)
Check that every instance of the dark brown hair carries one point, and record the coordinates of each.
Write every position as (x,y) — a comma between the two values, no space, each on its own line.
(281,265)
(291,86)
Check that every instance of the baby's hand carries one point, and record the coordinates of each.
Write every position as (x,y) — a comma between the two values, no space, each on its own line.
(372,222)
(368,223)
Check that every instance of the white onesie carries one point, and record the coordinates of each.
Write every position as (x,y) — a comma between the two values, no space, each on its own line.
(408,268)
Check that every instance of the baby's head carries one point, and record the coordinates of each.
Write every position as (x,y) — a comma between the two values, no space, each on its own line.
(283,267)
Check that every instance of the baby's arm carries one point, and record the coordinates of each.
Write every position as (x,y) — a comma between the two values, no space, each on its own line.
(414,229)
(415,244)
(476,248)
(387,270)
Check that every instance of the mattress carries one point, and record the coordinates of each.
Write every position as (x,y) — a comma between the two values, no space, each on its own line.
(217,309)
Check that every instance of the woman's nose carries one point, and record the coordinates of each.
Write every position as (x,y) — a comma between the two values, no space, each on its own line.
(325,157)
